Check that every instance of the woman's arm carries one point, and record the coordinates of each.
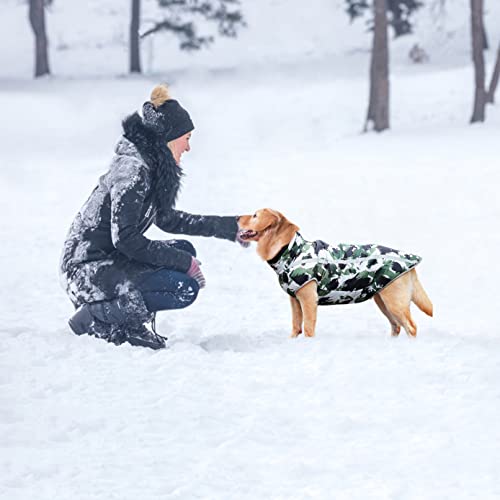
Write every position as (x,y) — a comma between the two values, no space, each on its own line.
(177,222)
(128,189)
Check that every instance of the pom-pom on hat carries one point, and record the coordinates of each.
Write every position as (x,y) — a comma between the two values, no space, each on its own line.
(165,115)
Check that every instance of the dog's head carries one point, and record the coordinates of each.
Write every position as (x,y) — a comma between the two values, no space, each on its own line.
(269,228)
(252,227)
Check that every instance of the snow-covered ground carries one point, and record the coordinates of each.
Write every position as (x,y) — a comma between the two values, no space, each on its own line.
(234,409)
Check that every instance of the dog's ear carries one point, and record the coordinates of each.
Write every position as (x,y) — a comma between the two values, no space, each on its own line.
(282,221)
(279,216)
(289,227)
(271,218)
(285,231)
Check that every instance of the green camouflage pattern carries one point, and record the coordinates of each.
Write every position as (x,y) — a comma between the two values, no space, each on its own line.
(345,273)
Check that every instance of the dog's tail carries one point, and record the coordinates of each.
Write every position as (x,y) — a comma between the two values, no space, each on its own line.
(420,297)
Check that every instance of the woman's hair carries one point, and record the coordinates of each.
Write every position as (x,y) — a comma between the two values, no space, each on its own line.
(159,95)
(169,146)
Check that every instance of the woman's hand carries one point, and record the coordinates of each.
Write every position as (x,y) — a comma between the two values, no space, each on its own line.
(194,272)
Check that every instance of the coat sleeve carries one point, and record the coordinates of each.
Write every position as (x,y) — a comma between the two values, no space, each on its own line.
(128,190)
(177,222)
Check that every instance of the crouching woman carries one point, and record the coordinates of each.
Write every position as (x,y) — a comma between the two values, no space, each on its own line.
(116,278)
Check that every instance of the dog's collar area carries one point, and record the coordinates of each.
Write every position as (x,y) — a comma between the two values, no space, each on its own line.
(277,256)
(297,240)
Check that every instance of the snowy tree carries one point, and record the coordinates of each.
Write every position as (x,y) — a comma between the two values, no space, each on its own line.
(135,23)
(395,13)
(494,78)
(37,21)
(477,32)
(182,18)
(399,13)
(438,8)
(378,106)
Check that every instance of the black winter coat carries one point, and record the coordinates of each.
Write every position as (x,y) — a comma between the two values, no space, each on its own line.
(106,252)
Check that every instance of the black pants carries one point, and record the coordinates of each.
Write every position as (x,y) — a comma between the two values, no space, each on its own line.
(165,289)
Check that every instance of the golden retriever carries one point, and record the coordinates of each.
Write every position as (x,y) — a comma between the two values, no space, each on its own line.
(386,274)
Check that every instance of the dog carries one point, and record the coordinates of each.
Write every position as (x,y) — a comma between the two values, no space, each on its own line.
(316,273)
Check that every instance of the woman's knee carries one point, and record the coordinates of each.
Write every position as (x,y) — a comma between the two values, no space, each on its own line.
(172,290)
(188,292)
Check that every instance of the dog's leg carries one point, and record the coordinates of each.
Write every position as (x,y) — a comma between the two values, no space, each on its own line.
(308,298)
(420,297)
(395,328)
(396,298)
(405,319)
(296,317)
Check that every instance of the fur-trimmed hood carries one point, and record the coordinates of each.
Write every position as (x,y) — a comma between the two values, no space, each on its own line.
(156,154)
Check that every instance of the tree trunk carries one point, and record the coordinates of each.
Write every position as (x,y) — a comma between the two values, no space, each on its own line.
(37,21)
(494,79)
(478,114)
(378,107)
(486,45)
(135,53)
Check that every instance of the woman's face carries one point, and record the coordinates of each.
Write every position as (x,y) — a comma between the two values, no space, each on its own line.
(179,146)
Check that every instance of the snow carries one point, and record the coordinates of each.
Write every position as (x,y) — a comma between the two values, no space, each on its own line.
(234,408)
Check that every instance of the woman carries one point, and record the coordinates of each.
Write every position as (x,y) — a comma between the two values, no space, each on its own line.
(116,278)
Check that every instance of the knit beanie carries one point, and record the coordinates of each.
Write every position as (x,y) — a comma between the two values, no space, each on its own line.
(165,115)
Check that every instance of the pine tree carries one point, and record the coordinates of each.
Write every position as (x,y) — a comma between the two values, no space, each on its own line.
(182,17)
(494,78)
(477,30)
(399,13)
(385,13)
(37,21)
(135,23)
(378,105)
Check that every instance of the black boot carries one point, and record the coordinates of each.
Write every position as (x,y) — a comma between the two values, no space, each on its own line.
(110,321)
(85,320)
(128,308)
(81,321)
(141,336)
(107,332)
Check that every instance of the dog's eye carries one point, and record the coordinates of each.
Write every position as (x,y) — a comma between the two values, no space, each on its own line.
(254,215)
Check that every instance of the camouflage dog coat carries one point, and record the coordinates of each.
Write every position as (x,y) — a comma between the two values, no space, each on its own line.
(345,273)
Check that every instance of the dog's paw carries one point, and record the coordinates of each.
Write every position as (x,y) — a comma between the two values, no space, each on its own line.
(395,330)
